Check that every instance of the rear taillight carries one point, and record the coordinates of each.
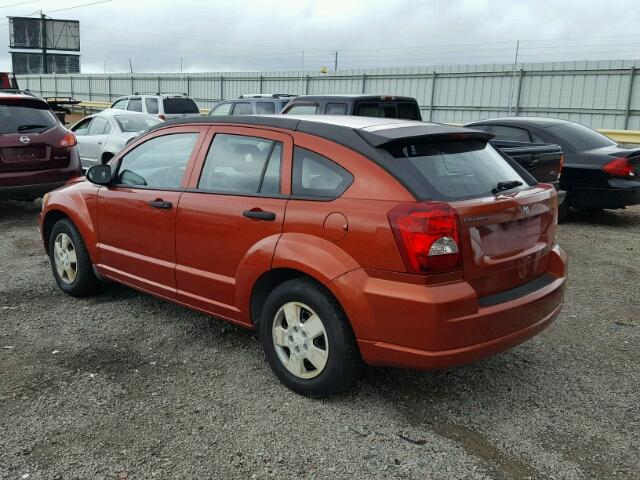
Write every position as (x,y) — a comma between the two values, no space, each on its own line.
(162,117)
(619,167)
(69,140)
(561,165)
(427,236)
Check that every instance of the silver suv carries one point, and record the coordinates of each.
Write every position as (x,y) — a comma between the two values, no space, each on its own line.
(252,104)
(165,105)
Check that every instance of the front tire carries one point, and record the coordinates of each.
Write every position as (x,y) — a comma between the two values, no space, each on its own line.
(308,341)
(70,261)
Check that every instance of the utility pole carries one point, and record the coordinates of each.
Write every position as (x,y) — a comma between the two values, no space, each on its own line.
(43,26)
(104,62)
(335,63)
(301,70)
(513,77)
(181,65)
(130,67)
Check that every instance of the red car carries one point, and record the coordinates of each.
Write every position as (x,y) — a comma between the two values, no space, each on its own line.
(37,153)
(342,240)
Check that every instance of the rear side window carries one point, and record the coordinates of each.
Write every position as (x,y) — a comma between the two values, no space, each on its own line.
(25,116)
(158,163)
(302,109)
(222,109)
(151,104)
(317,176)
(98,126)
(454,170)
(242,108)
(242,165)
(510,134)
(265,108)
(179,105)
(135,105)
(335,109)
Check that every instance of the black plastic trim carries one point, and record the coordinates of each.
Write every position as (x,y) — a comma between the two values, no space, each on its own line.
(514,293)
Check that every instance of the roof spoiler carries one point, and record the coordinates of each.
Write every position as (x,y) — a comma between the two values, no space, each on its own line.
(411,133)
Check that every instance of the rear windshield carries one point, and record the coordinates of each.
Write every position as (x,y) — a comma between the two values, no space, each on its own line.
(580,137)
(25,116)
(453,169)
(180,105)
(404,110)
(136,123)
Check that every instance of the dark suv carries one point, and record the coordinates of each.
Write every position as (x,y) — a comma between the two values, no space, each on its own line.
(252,104)
(384,106)
(37,153)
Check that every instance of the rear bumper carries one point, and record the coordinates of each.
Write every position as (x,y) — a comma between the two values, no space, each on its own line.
(625,194)
(432,327)
(28,192)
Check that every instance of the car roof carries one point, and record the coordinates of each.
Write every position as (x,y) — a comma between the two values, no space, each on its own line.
(539,121)
(20,96)
(344,129)
(112,112)
(353,96)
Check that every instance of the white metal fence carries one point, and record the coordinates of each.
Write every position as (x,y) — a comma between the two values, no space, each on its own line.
(601,94)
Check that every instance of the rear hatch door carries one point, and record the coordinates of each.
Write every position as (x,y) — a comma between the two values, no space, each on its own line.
(507,220)
(27,129)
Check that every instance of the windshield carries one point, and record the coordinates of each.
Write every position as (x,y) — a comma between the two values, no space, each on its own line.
(25,116)
(456,170)
(580,137)
(179,105)
(136,123)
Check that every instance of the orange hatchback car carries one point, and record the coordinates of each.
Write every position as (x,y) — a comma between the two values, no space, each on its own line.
(342,240)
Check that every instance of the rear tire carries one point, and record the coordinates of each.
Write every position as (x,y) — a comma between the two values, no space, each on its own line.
(70,261)
(308,341)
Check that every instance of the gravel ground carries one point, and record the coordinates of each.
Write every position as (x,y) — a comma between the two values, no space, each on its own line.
(122,385)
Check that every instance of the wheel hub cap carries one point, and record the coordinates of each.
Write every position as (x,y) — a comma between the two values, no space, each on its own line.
(65,258)
(300,340)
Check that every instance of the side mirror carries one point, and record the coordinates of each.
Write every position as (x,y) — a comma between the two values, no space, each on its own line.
(99,174)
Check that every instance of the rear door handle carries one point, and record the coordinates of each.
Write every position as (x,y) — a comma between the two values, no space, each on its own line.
(161,204)
(260,215)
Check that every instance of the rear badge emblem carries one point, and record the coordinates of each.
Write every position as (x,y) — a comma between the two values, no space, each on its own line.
(25,139)
(525,210)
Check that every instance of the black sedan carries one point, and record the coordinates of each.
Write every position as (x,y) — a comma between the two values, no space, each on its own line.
(597,173)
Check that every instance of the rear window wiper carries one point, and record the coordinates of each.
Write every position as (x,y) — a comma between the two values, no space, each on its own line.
(508,185)
(31,126)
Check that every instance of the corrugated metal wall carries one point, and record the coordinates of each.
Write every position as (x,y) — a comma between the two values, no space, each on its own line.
(601,94)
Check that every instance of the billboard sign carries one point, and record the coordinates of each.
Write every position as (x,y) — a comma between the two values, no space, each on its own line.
(31,63)
(26,33)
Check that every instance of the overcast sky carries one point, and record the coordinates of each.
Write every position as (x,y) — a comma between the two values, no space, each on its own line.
(252,35)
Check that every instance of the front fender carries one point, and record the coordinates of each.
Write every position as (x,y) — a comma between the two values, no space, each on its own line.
(318,258)
(78,202)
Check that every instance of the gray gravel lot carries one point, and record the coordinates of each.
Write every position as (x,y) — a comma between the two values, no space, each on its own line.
(124,385)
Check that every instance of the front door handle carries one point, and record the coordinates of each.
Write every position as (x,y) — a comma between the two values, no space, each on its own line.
(161,204)
(260,215)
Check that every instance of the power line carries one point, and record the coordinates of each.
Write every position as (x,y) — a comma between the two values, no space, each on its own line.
(78,6)
(18,4)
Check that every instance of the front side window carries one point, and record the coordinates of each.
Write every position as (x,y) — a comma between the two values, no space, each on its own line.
(152,105)
(317,176)
(120,104)
(242,108)
(242,165)
(265,108)
(157,163)
(302,109)
(82,127)
(135,104)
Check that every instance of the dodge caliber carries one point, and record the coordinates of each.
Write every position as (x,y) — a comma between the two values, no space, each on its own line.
(342,240)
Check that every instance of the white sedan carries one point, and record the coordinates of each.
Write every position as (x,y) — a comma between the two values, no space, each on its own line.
(103,135)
